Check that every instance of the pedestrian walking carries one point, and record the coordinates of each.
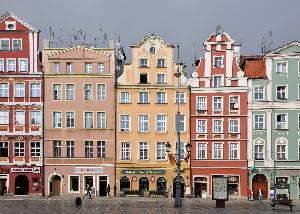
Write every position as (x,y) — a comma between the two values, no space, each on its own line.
(260,195)
(249,194)
(108,190)
(88,191)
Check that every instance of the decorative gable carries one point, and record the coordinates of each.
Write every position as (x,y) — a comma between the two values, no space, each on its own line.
(152,41)
(9,21)
(291,47)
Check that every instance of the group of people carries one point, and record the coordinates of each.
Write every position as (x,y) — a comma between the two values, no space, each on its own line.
(259,195)
(89,190)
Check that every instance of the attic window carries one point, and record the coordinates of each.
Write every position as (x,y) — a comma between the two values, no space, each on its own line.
(10,25)
(152,50)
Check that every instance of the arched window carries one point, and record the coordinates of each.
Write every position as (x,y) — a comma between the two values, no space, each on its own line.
(144,184)
(152,50)
(161,184)
(259,149)
(124,184)
(281,148)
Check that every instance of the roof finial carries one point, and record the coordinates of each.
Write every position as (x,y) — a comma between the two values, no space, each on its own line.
(218,27)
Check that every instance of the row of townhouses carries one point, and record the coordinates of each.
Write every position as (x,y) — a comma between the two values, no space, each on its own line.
(77,116)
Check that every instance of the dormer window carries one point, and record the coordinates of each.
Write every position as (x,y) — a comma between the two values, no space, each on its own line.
(218,61)
(143,62)
(10,25)
(152,50)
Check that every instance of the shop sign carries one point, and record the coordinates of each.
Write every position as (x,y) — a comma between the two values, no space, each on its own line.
(219,188)
(233,179)
(88,169)
(144,172)
(27,170)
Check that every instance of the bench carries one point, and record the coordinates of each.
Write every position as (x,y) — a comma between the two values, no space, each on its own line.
(283,202)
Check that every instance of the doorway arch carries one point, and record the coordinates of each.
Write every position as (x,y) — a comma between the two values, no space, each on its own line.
(144,184)
(21,185)
(260,181)
(182,187)
(124,184)
(55,185)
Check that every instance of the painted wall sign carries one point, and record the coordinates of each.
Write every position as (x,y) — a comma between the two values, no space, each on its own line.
(88,169)
(144,172)
(15,170)
(220,188)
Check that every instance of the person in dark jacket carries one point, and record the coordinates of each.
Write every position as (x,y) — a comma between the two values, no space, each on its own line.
(88,191)
(108,189)
(260,195)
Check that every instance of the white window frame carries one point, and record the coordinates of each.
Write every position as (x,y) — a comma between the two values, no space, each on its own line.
(70,90)
(101,68)
(143,123)
(281,142)
(70,146)
(19,149)
(221,81)
(298,149)
(57,124)
(145,148)
(4,115)
(125,150)
(19,91)
(2,65)
(19,117)
(9,45)
(263,92)
(222,151)
(127,98)
(35,116)
(158,80)
(36,91)
(59,91)
(101,92)
(88,68)
(235,104)
(125,121)
(69,119)
(181,99)
(258,123)
(298,120)
(201,104)
(286,122)
(25,60)
(218,103)
(298,91)
(259,143)
(285,92)
(198,130)
(101,120)
(162,122)
(36,150)
(221,125)
(101,149)
(286,67)
(57,67)
(231,126)
(4,91)
(214,61)
(69,67)
(86,91)
(142,97)
(88,149)
(12,44)
(88,118)
(161,63)
(69,183)
(7,65)
(161,149)
(162,99)
(237,151)
(198,150)
(142,64)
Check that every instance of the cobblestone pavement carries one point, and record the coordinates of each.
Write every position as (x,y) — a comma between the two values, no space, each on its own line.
(125,205)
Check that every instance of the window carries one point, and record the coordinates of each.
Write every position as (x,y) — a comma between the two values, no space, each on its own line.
(143,62)
(70,92)
(218,151)
(1,65)
(101,120)
(180,97)
(74,183)
(19,149)
(35,89)
(258,151)
(161,63)
(281,67)
(160,78)
(88,91)
(101,149)
(35,149)
(161,123)
(101,92)
(4,90)
(57,149)
(201,126)
(88,149)
(4,44)
(298,121)
(23,65)
(281,151)
(218,62)
(281,121)
(143,97)
(89,118)
(35,117)
(152,50)
(281,92)
(56,119)
(218,103)
(259,93)
(19,90)
(234,126)
(161,97)
(19,118)
(70,149)
(125,97)
(234,151)
(125,151)
(218,126)
(201,151)
(143,123)
(88,68)
(143,148)
(69,66)
(259,121)
(3,149)
(218,81)
(57,67)
(4,117)
(298,150)
(101,68)
(125,123)
(180,122)
(70,119)
(298,92)
(56,91)
(17,44)
(201,104)
(234,103)
(143,78)
(161,151)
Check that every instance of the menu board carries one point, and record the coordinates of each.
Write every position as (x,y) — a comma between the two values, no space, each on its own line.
(220,188)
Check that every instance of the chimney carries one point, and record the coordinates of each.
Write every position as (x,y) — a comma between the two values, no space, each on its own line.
(46,43)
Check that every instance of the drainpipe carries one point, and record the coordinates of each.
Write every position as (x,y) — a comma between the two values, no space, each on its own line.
(191,179)
(43,127)
(115,111)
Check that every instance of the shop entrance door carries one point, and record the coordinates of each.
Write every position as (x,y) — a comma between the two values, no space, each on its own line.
(21,185)
(102,185)
(3,185)
(56,185)
(260,181)
(199,189)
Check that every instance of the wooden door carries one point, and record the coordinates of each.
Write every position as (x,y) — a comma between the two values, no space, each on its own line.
(260,181)
(56,187)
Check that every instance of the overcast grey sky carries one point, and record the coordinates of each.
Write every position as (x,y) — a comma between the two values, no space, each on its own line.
(183,21)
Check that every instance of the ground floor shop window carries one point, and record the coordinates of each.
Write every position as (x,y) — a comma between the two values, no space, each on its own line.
(161,184)
(88,180)
(200,187)
(233,185)
(124,184)
(282,188)
(74,184)
(144,184)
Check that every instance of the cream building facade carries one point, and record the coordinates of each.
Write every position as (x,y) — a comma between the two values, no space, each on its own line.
(146,105)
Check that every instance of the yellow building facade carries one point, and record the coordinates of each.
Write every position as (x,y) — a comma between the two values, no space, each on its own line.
(147,102)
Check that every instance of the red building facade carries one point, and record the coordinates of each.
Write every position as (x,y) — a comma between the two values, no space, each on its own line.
(21,106)
(219,118)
